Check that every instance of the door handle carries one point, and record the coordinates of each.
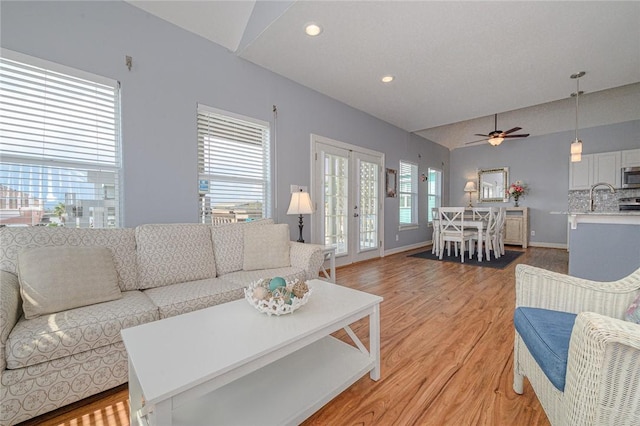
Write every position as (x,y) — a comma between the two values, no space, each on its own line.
(356,215)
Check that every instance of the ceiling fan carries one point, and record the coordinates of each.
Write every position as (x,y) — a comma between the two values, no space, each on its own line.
(496,137)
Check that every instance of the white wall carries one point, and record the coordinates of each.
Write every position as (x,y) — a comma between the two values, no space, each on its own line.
(543,163)
(172,71)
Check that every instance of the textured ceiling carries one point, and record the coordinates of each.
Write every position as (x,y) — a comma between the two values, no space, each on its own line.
(455,63)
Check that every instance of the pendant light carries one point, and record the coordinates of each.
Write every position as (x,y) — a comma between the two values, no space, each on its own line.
(576,145)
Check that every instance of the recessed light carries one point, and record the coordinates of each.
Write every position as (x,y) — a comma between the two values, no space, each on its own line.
(387,78)
(313,29)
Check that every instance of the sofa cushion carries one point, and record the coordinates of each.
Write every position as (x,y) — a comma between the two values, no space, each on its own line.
(244,278)
(121,241)
(547,334)
(266,247)
(54,336)
(54,279)
(228,244)
(175,253)
(190,296)
(633,311)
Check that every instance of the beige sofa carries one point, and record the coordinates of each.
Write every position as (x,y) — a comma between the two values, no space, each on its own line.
(56,358)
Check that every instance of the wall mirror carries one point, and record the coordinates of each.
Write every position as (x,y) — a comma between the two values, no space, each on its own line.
(492,185)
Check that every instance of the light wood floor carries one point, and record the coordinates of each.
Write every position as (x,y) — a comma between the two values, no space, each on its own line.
(446,339)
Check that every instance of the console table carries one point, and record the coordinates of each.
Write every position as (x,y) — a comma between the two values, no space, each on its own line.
(516,226)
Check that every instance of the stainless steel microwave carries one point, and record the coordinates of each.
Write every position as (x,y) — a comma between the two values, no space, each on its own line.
(630,177)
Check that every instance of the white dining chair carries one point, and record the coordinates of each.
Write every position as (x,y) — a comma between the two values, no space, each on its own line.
(497,238)
(489,215)
(452,230)
(435,238)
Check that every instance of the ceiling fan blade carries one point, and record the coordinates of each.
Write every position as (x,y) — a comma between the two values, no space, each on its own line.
(523,135)
(486,136)
(515,129)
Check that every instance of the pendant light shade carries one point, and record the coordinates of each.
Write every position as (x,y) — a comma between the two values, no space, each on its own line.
(576,145)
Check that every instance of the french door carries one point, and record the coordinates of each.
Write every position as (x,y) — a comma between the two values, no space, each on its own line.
(346,187)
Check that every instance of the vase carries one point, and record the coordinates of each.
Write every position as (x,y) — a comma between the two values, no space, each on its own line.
(515,202)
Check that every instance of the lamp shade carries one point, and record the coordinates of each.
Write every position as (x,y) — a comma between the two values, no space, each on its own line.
(496,141)
(470,187)
(300,203)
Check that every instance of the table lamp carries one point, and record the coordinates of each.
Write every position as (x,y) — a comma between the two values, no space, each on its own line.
(300,204)
(470,187)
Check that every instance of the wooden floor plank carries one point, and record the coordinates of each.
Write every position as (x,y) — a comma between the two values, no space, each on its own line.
(446,345)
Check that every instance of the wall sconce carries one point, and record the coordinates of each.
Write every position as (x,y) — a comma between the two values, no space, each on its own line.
(470,187)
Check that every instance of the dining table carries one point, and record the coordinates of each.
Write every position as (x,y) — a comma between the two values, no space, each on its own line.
(480,225)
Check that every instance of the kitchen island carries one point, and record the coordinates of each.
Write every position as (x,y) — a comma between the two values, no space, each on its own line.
(604,246)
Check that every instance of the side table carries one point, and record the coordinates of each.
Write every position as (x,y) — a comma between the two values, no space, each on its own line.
(329,253)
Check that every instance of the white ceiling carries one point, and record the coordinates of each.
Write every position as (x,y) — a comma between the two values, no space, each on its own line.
(455,63)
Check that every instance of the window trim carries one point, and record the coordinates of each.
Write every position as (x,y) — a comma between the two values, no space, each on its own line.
(67,162)
(267,147)
(439,171)
(414,224)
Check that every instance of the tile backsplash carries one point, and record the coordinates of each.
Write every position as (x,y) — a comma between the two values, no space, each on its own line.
(605,201)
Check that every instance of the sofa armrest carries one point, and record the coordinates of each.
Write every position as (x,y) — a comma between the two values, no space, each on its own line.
(10,309)
(539,288)
(603,371)
(308,257)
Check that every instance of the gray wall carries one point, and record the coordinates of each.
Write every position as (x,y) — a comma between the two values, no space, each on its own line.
(172,71)
(543,163)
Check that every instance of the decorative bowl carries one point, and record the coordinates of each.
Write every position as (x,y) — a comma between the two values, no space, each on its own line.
(279,302)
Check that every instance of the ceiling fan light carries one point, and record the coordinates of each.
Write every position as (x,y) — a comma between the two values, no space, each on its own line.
(495,141)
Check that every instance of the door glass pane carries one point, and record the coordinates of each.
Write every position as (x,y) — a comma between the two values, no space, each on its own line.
(368,205)
(335,202)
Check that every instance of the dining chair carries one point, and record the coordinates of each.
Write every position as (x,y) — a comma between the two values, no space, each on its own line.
(498,234)
(482,213)
(452,230)
(489,215)
(435,238)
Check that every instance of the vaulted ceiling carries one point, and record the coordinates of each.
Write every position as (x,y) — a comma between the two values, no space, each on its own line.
(455,63)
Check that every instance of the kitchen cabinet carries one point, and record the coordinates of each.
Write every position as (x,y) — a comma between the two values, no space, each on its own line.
(630,158)
(516,226)
(606,168)
(580,173)
(595,168)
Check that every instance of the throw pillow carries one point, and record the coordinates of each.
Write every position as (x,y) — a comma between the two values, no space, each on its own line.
(266,247)
(633,312)
(54,279)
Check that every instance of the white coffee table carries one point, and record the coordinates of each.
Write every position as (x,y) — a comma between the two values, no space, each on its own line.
(232,365)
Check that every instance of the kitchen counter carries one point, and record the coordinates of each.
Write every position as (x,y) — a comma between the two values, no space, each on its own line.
(603,246)
(607,217)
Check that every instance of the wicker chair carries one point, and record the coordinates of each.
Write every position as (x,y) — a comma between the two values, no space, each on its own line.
(602,380)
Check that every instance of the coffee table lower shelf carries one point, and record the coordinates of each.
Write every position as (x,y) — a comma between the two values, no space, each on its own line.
(286,391)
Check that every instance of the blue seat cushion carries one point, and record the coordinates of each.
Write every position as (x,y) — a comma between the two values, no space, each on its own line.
(546,334)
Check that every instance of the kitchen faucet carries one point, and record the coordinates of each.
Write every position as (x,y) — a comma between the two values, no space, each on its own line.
(591,200)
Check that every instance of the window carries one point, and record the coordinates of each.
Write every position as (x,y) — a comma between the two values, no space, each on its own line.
(408,193)
(233,167)
(60,145)
(434,192)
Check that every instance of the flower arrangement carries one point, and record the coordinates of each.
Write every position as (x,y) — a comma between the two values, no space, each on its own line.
(516,190)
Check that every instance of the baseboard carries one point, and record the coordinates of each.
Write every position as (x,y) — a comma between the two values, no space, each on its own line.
(428,243)
(407,248)
(548,245)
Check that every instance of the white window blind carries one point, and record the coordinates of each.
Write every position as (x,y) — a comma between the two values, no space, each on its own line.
(59,145)
(233,166)
(408,193)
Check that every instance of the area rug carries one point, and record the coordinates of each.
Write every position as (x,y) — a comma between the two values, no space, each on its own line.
(500,263)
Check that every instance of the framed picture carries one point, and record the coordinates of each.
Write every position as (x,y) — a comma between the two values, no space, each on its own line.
(392,183)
